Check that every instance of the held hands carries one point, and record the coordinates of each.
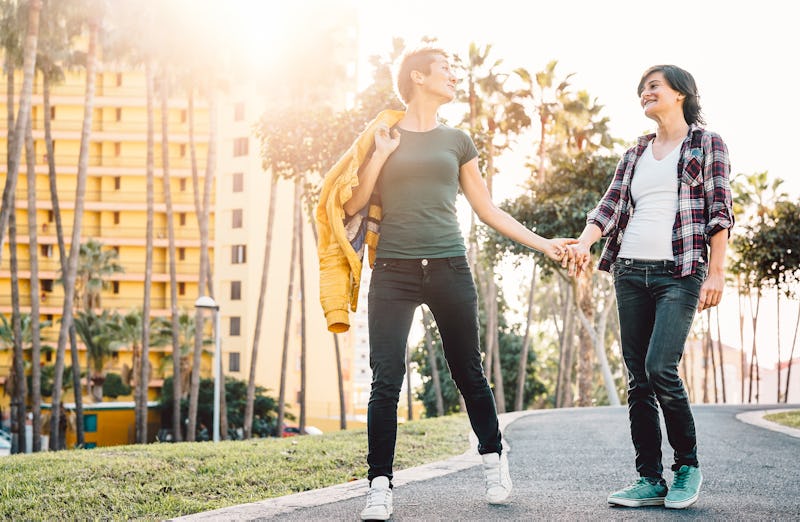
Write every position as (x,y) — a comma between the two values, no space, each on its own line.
(385,141)
(558,248)
(578,258)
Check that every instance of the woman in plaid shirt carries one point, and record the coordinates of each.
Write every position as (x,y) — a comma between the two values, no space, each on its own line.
(667,206)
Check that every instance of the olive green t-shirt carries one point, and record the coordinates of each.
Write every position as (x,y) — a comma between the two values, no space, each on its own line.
(418,187)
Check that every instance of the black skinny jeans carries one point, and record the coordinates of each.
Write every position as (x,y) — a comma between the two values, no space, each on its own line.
(397,288)
(655,314)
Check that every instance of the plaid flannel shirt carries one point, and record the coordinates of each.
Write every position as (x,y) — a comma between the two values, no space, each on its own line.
(704,200)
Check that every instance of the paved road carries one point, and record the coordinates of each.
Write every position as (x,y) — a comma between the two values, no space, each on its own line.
(565,462)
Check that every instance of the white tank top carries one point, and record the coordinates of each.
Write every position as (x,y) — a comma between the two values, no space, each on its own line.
(654,191)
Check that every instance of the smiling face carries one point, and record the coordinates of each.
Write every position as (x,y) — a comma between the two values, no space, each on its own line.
(440,80)
(658,98)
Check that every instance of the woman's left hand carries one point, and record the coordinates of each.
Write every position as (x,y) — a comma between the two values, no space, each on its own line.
(556,248)
(711,291)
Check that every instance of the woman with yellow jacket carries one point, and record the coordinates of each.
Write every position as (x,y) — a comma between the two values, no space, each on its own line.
(417,165)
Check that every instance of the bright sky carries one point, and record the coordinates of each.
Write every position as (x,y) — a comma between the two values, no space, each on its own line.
(742,55)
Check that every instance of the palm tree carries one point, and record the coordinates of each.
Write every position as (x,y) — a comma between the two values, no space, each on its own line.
(15,141)
(204,279)
(70,275)
(55,47)
(288,322)
(95,265)
(173,278)
(251,382)
(33,255)
(94,331)
(18,392)
(144,367)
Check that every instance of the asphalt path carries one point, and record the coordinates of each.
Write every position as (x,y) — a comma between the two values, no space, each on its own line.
(564,463)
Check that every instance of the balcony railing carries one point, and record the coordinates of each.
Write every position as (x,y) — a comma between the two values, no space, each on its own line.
(128,161)
(179,197)
(126,127)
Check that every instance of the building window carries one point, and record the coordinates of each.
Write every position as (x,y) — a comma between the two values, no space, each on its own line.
(236,326)
(233,362)
(117,149)
(118,114)
(238,111)
(116,218)
(238,254)
(115,249)
(181,253)
(237,218)
(183,150)
(90,423)
(52,113)
(181,288)
(183,116)
(240,146)
(117,182)
(182,184)
(182,219)
(50,216)
(47,250)
(119,80)
(236,290)
(47,285)
(238,182)
(115,287)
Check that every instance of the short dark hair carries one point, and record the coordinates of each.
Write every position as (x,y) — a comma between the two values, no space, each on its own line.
(417,59)
(683,82)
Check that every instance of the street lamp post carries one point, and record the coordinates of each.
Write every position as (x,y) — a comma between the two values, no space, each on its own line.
(207,303)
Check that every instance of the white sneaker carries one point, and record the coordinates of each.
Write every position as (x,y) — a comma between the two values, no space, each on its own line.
(379,500)
(498,480)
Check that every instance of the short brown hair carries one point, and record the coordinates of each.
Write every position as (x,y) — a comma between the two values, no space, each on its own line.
(417,59)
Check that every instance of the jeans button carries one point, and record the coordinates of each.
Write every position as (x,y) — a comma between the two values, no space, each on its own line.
(424,262)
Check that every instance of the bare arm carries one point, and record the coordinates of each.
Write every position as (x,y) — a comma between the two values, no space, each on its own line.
(711,291)
(385,144)
(481,201)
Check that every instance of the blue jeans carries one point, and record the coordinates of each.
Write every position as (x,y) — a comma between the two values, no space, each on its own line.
(655,314)
(397,288)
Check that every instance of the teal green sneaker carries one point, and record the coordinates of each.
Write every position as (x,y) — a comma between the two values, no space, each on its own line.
(685,488)
(640,493)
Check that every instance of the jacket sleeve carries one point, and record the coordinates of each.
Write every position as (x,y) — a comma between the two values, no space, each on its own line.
(716,186)
(604,214)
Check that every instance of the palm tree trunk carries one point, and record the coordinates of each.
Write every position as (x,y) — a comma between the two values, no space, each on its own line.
(337,351)
(743,359)
(144,363)
(437,383)
(522,370)
(564,397)
(262,297)
(287,326)
(791,357)
(204,279)
(15,144)
(18,393)
(62,253)
(721,360)
(298,223)
(33,254)
(72,268)
(173,283)
(754,351)
(778,342)
(712,357)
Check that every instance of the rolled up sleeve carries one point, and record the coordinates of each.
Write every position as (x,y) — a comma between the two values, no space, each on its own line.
(717,187)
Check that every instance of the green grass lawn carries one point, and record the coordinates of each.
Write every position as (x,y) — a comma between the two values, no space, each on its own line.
(787,418)
(158,481)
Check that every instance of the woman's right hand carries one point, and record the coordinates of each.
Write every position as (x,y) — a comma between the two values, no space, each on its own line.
(386,141)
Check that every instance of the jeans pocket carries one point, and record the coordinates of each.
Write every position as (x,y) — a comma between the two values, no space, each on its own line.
(618,269)
(459,265)
(384,265)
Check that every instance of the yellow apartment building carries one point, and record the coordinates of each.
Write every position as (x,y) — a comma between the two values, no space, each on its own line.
(115,213)
(114,204)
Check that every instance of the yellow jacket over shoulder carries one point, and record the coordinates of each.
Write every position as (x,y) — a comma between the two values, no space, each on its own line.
(341,244)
